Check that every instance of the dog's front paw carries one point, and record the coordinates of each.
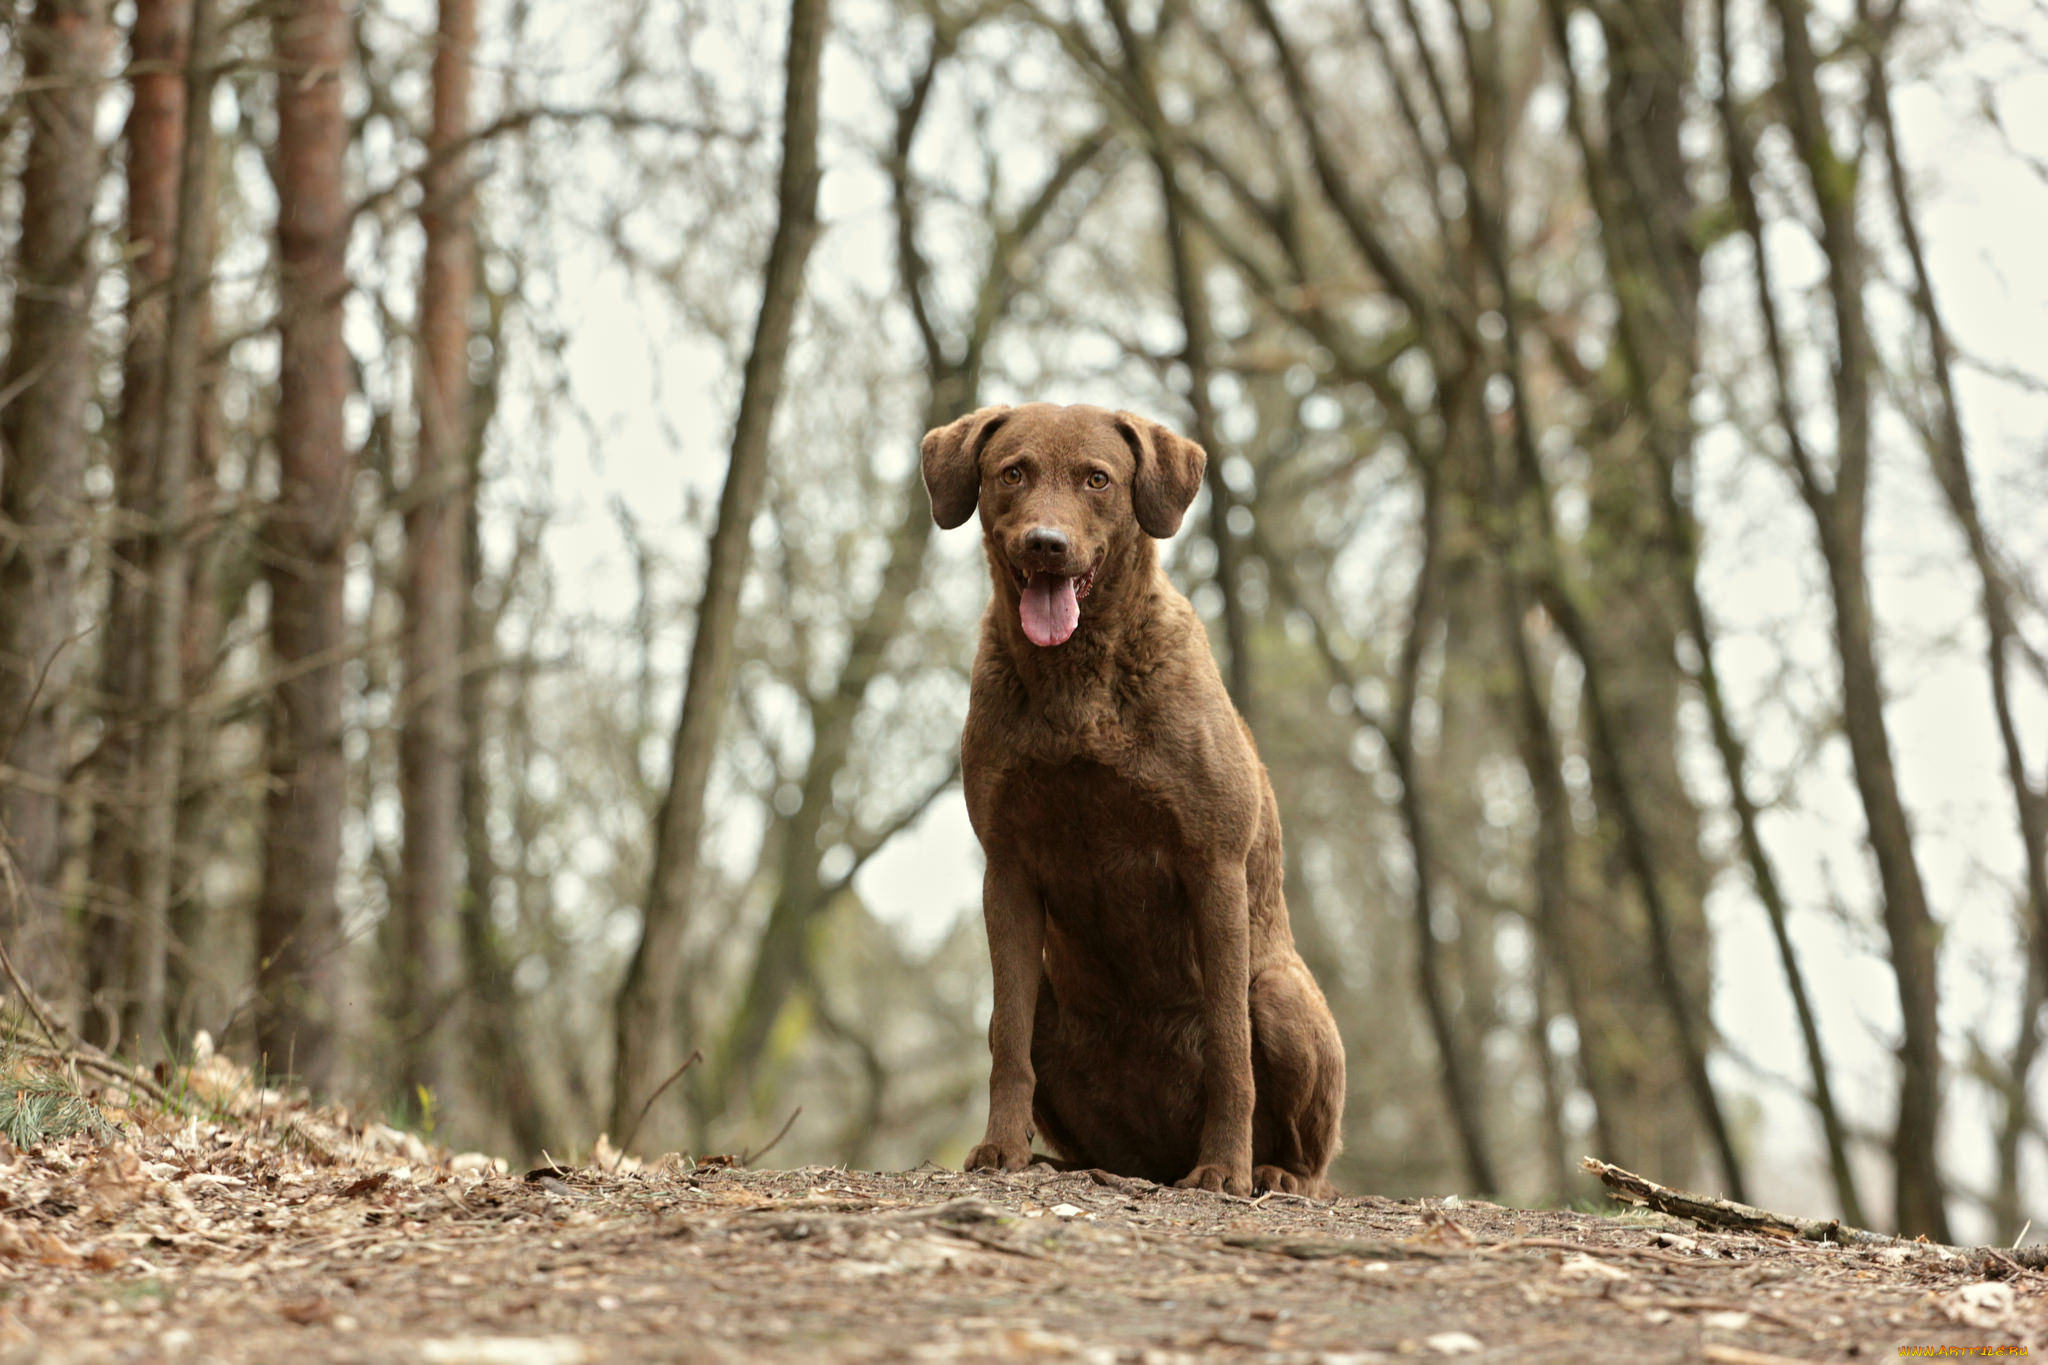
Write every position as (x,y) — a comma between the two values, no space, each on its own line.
(1280,1180)
(1217,1179)
(998,1156)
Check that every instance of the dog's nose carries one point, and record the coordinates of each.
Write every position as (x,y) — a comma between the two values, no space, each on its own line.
(1043,540)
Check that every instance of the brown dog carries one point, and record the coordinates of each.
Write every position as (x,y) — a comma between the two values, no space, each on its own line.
(1151,1014)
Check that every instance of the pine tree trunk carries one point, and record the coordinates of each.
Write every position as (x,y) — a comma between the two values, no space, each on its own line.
(44,389)
(157,44)
(162,746)
(298,927)
(430,744)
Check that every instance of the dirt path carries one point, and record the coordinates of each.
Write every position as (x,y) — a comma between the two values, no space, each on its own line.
(211,1245)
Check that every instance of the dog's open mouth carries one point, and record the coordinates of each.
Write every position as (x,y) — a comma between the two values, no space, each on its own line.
(1051,605)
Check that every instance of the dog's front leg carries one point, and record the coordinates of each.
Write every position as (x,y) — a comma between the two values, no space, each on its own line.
(1015,917)
(1223,1161)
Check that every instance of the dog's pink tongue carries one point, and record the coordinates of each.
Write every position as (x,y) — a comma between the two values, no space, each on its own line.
(1050,609)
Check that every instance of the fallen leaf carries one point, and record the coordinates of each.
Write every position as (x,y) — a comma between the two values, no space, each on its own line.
(52,1250)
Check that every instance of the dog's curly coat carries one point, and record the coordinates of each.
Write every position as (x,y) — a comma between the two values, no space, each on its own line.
(1152,1016)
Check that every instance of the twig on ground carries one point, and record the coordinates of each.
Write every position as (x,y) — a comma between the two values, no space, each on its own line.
(626,1138)
(1729,1216)
(1725,1214)
(749,1158)
(1120,1183)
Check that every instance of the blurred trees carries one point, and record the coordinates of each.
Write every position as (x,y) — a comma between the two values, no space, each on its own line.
(1601,472)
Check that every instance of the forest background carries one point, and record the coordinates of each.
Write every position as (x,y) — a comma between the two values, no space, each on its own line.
(472,633)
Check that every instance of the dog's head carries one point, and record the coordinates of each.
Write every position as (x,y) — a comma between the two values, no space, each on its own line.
(1062,490)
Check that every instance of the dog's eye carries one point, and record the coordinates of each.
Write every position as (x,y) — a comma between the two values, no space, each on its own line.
(1012,476)
(1098,480)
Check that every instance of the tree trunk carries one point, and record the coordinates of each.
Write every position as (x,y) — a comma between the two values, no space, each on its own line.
(298,926)
(1533,553)
(45,386)
(1839,510)
(498,1041)
(213,597)
(646,1004)
(779,961)
(1635,582)
(1461,1095)
(1951,459)
(1950,456)
(1559,926)
(157,43)
(430,744)
(170,542)
(1640,328)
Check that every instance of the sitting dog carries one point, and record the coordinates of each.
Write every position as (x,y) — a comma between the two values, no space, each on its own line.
(1152,1017)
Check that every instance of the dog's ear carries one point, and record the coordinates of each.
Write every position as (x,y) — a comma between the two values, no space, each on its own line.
(1169,473)
(952,463)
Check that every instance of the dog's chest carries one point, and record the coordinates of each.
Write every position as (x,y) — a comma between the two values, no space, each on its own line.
(1088,832)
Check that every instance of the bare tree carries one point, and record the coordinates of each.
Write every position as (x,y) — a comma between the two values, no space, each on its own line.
(1942,435)
(646,1011)
(1838,501)
(305,536)
(1453,299)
